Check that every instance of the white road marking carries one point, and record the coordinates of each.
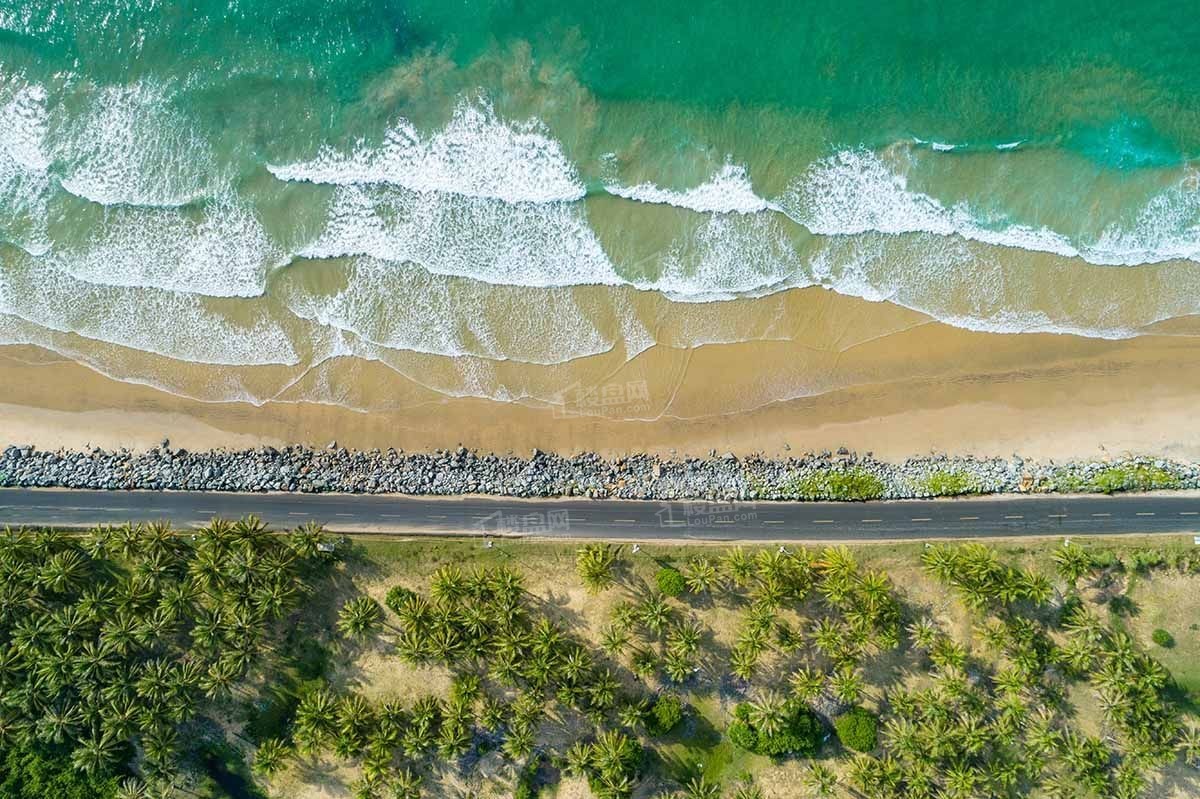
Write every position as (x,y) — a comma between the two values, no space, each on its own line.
(1057,515)
(343,514)
(624,521)
(1188,512)
(1014,517)
(771,521)
(1101,514)
(968,518)
(296,513)
(869,521)
(921,519)
(432,516)
(822,521)
(1144,514)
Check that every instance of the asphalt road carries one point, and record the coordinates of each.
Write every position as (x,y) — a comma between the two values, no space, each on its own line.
(624,520)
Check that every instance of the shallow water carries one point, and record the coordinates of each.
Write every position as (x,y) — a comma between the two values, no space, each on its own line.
(254,200)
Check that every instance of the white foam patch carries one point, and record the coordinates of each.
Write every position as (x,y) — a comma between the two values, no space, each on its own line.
(728,256)
(179,326)
(476,155)
(131,146)
(219,250)
(855,192)
(404,307)
(24,179)
(964,285)
(728,191)
(522,244)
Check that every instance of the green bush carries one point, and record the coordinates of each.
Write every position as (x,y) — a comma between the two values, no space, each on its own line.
(1112,479)
(845,485)
(857,729)
(670,581)
(396,597)
(665,715)
(943,483)
(32,771)
(800,735)
(1163,638)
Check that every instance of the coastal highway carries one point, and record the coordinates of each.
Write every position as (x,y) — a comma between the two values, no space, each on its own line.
(622,520)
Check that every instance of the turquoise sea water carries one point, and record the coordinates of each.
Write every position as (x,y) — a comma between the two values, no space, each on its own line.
(276,184)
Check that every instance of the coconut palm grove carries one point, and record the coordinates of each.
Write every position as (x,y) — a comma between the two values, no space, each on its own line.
(236,661)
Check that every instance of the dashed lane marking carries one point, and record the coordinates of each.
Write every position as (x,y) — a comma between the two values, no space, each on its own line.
(1100,515)
(296,513)
(822,521)
(771,521)
(1014,517)
(1057,515)
(968,518)
(343,514)
(1144,514)
(431,516)
(921,519)
(871,521)
(1188,512)
(624,521)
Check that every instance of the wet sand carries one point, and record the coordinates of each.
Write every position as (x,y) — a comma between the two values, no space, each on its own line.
(922,387)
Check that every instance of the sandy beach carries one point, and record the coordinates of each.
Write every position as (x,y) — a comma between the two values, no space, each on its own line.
(920,387)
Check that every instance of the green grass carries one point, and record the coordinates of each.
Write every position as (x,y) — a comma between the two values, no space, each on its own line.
(845,485)
(1114,479)
(948,483)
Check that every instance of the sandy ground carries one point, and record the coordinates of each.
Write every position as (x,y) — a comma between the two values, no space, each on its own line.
(923,388)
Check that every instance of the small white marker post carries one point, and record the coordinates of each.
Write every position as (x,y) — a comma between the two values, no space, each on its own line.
(487,544)
(1196,540)
(636,549)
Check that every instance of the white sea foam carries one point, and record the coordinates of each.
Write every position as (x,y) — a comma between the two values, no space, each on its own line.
(729,256)
(728,191)
(180,326)
(855,192)
(522,244)
(219,250)
(476,155)
(24,179)
(131,146)
(404,307)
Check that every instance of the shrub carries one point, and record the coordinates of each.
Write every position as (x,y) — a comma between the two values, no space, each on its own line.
(1163,638)
(846,485)
(800,735)
(943,483)
(666,714)
(857,729)
(396,597)
(1110,480)
(670,581)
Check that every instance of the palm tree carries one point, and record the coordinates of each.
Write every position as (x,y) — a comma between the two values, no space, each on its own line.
(821,780)
(270,756)
(96,753)
(614,639)
(846,685)
(595,562)
(700,575)
(406,784)
(768,712)
(807,683)
(1189,745)
(738,566)
(748,791)
(359,617)
(1072,562)
(131,788)
(701,788)
(655,613)
(924,633)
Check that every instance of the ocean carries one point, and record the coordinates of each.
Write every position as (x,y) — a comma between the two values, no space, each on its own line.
(249,200)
